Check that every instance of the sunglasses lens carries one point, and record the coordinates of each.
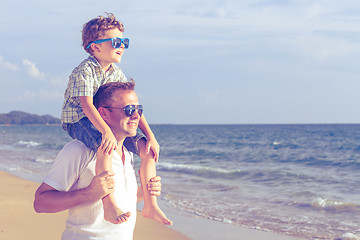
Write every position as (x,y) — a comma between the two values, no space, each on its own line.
(126,42)
(116,42)
(140,110)
(130,110)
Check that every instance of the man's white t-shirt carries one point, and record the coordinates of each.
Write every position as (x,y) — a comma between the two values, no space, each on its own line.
(74,168)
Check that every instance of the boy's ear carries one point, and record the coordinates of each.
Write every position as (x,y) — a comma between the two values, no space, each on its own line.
(95,47)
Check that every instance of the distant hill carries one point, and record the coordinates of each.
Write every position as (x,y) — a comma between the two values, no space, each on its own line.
(22,118)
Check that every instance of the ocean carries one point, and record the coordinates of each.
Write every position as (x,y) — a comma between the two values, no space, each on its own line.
(297,180)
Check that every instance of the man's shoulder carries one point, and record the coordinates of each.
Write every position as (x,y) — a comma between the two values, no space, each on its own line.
(77,148)
(75,145)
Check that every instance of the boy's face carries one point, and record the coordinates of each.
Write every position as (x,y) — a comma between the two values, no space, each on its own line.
(105,53)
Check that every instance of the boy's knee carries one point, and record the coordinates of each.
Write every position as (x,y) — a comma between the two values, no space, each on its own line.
(141,144)
(142,151)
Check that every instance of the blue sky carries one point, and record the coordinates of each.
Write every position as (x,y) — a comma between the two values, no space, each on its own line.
(195,62)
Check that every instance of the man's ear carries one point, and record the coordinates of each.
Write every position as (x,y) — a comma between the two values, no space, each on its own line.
(103,113)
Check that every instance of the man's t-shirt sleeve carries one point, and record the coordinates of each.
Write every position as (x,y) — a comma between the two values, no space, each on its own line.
(68,166)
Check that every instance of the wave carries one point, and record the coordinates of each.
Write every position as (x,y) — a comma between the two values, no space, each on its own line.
(56,146)
(28,144)
(266,176)
(349,236)
(43,160)
(198,153)
(318,162)
(334,205)
(203,171)
(278,145)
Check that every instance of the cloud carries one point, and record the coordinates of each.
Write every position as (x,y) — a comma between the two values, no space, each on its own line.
(8,65)
(216,13)
(52,95)
(25,96)
(32,70)
(59,81)
(42,95)
(321,48)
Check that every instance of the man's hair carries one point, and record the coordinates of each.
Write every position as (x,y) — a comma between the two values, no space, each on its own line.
(103,97)
(96,28)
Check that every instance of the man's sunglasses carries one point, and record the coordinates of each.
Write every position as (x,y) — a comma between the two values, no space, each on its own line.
(116,42)
(130,110)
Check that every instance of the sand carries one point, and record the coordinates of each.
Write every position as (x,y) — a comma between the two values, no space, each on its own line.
(18,220)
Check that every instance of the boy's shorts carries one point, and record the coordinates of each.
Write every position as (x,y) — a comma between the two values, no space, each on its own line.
(85,131)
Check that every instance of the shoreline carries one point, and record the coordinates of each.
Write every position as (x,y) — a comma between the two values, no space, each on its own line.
(199,228)
(19,220)
(17,195)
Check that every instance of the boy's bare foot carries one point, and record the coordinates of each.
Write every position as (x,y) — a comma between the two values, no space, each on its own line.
(115,215)
(156,214)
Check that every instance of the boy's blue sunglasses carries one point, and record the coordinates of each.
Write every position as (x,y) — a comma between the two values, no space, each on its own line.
(116,42)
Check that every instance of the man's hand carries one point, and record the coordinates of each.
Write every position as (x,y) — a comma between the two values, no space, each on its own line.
(101,185)
(154,186)
(50,200)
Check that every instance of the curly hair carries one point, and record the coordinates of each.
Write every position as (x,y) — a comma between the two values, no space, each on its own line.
(96,28)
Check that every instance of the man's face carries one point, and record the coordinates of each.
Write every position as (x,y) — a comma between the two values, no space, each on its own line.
(120,124)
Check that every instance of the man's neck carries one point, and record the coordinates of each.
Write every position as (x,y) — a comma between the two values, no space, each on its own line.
(120,141)
(120,151)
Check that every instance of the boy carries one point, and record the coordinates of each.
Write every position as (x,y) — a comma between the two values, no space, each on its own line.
(103,40)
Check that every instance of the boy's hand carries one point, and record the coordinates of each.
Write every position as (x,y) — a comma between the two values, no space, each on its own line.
(153,145)
(108,143)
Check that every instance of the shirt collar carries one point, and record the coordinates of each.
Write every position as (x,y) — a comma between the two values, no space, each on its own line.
(96,63)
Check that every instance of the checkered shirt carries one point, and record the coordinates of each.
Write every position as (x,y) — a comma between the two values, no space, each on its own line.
(85,80)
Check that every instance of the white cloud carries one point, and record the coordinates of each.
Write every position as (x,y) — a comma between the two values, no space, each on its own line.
(51,95)
(25,96)
(39,95)
(215,13)
(32,70)
(322,47)
(60,81)
(220,12)
(8,65)
(279,44)
(314,10)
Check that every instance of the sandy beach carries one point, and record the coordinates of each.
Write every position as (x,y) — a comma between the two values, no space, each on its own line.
(19,221)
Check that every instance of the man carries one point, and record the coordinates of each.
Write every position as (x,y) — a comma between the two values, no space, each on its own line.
(72,183)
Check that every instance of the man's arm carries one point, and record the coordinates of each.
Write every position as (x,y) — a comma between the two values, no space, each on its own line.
(50,200)
(154,188)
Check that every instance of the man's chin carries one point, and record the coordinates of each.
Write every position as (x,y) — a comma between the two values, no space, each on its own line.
(133,133)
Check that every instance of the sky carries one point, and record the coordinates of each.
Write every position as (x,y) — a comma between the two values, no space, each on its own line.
(195,61)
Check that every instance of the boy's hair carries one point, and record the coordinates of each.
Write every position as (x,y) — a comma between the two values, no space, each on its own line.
(95,29)
(103,97)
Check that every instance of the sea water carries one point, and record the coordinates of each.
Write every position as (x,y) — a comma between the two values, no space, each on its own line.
(299,180)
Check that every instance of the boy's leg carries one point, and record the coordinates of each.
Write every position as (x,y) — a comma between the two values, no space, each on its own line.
(86,132)
(147,171)
(112,213)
